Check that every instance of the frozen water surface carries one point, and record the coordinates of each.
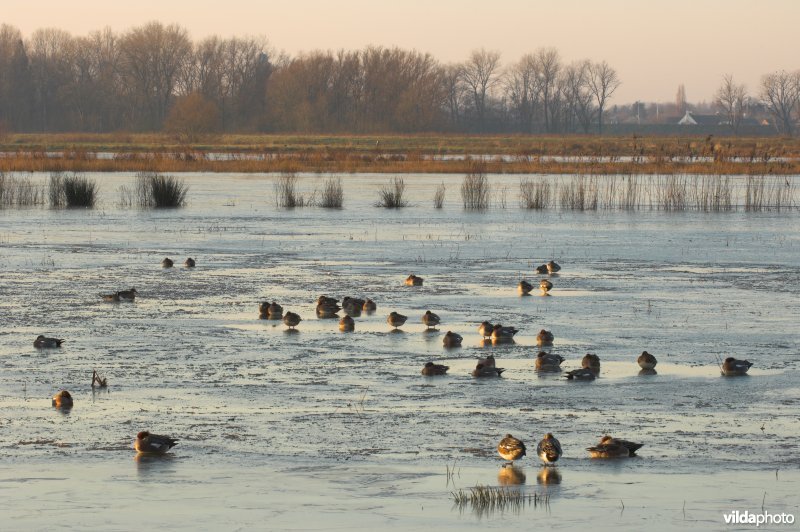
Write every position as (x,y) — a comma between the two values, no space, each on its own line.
(318,429)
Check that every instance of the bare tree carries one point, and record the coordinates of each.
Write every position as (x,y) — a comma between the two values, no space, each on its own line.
(455,94)
(547,67)
(603,81)
(521,91)
(780,92)
(480,74)
(578,98)
(680,99)
(731,97)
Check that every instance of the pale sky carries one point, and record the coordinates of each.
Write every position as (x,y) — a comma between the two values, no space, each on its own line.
(655,45)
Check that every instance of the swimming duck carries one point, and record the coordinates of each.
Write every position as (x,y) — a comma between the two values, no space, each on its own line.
(581,374)
(274,311)
(524,287)
(631,446)
(732,366)
(549,449)
(487,362)
(610,449)
(111,297)
(592,362)
(485,329)
(189,263)
(62,399)
(511,448)
(147,443)
(430,319)
(413,280)
(352,305)
(647,361)
(325,300)
(291,320)
(553,267)
(541,269)
(43,341)
(395,319)
(328,310)
(545,286)
(487,371)
(548,362)
(500,333)
(128,294)
(545,338)
(369,305)
(432,369)
(451,339)
(347,324)
(167,263)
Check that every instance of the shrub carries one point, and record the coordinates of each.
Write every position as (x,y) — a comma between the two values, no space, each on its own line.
(79,191)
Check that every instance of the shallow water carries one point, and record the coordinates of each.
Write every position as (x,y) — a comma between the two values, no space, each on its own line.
(320,429)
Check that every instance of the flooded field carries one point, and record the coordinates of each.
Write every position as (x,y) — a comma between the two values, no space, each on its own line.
(318,429)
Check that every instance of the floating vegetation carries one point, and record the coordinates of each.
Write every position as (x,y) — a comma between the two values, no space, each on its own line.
(489,499)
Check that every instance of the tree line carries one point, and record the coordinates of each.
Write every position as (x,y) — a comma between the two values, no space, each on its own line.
(154,77)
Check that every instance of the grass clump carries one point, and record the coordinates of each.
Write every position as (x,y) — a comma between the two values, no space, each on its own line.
(475,189)
(71,190)
(20,192)
(391,195)
(286,194)
(160,191)
(488,499)
(438,196)
(332,196)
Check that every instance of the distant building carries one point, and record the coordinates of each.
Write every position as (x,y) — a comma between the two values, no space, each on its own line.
(692,119)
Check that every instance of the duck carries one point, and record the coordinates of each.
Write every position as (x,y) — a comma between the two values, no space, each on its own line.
(147,443)
(511,448)
(524,287)
(430,369)
(413,280)
(167,263)
(325,300)
(274,311)
(732,367)
(545,286)
(503,334)
(189,262)
(62,399)
(592,362)
(430,319)
(548,362)
(451,339)
(541,269)
(647,361)
(347,324)
(485,329)
(610,449)
(369,305)
(43,341)
(545,338)
(581,374)
(396,319)
(111,297)
(553,267)
(128,294)
(292,320)
(352,306)
(631,446)
(549,449)
(487,371)
(328,310)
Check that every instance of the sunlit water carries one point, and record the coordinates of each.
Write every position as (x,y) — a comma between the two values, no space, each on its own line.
(320,429)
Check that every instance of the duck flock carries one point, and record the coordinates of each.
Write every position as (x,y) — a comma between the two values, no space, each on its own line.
(509,448)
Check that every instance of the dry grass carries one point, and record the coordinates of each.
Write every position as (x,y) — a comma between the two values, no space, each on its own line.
(534,194)
(489,499)
(438,196)
(286,194)
(71,190)
(20,192)
(160,191)
(475,189)
(392,195)
(332,196)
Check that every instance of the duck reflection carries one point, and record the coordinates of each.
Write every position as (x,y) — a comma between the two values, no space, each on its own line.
(510,476)
(548,476)
(647,372)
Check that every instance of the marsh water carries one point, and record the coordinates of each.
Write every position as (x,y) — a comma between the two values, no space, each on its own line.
(318,429)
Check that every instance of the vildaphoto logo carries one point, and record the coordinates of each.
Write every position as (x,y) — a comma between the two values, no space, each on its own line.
(736,517)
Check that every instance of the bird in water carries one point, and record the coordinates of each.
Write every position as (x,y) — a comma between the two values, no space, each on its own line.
(62,399)
(545,338)
(395,319)
(430,319)
(553,267)
(549,449)
(487,371)
(292,320)
(128,294)
(347,324)
(451,339)
(631,446)
(189,263)
(147,443)
(647,361)
(581,374)
(732,367)
(592,362)
(545,286)
(510,449)
(430,369)
(485,329)
(548,362)
(43,341)
(167,263)
(524,287)
(413,280)
(610,449)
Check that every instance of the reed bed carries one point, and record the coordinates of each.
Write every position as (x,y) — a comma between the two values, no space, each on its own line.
(160,191)
(475,189)
(438,196)
(769,193)
(392,195)
(20,192)
(534,194)
(286,194)
(332,196)
(71,190)
(488,499)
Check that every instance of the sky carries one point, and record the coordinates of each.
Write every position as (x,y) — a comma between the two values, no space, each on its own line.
(655,45)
